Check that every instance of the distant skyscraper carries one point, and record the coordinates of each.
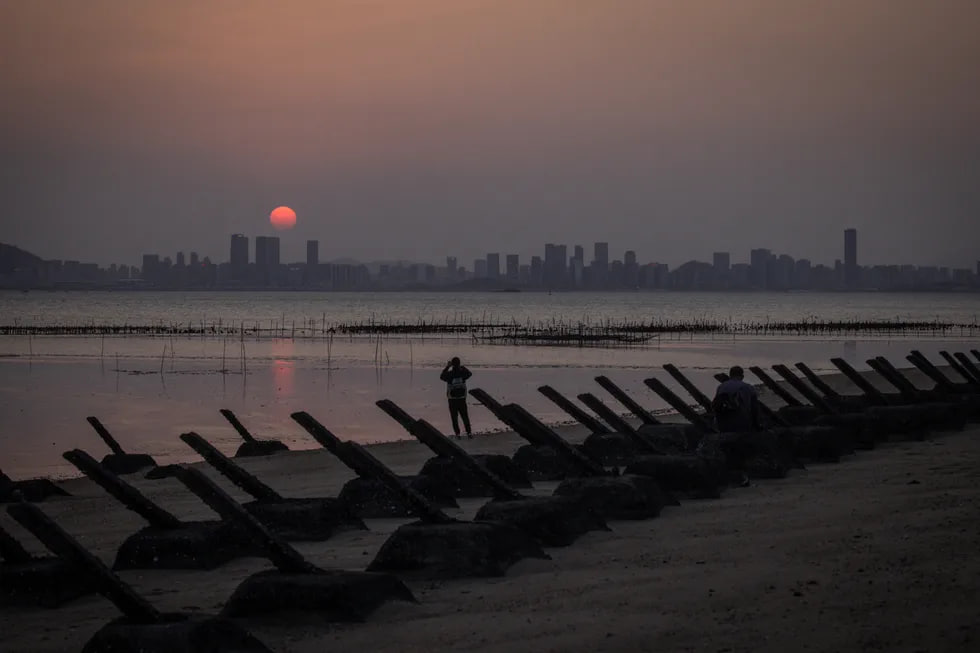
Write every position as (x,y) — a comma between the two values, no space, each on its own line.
(579,253)
(759,262)
(451,267)
(601,254)
(493,266)
(239,253)
(194,259)
(513,268)
(629,258)
(851,257)
(536,271)
(180,262)
(480,268)
(266,251)
(312,252)
(722,262)
(151,268)
(555,265)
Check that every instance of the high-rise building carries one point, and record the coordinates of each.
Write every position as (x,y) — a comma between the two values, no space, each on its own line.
(601,251)
(493,266)
(513,268)
(451,267)
(722,262)
(239,256)
(267,258)
(851,275)
(759,262)
(480,268)
(801,273)
(599,269)
(266,251)
(555,265)
(194,259)
(151,268)
(180,261)
(579,253)
(312,253)
(536,271)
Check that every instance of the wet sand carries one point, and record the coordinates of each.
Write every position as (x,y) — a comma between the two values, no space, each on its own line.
(878,552)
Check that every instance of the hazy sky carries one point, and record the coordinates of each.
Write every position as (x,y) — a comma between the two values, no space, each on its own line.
(419,128)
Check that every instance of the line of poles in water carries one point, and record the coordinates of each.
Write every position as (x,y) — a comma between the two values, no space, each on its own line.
(553,331)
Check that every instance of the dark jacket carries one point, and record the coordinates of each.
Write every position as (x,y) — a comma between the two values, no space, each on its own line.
(744,414)
(455,378)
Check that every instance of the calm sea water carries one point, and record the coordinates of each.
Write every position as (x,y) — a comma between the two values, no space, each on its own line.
(148,390)
(151,308)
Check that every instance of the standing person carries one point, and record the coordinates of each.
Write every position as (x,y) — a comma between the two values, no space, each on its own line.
(455,375)
(736,411)
(736,405)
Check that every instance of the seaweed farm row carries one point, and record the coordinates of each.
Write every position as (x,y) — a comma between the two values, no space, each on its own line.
(542,332)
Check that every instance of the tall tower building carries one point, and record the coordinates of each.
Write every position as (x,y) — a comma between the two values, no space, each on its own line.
(312,252)
(759,261)
(513,268)
(266,251)
(239,256)
(267,258)
(851,275)
(601,251)
(493,266)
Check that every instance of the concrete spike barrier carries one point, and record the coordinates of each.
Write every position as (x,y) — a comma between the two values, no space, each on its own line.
(163,471)
(455,549)
(619,497)
(862,429)
(504,468)
(177,634)
(945,415)
(687,476)
(898,422)
(968,404)
(542,463)
(260,448)
(127,463)
(305,520)
(193,545)
(44,582)
(33,490)
(814,444)
(609,449)
(553,521)
(760,454)
(372,499)
(464,483)
(672,438)
(325,596)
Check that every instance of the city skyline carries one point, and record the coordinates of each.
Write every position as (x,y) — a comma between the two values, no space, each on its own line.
(406,130)
(294,248)
(557,267)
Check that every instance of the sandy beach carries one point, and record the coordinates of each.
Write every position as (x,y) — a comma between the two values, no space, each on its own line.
(878,552)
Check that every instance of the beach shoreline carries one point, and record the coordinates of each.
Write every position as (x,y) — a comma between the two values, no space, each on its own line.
(876,552)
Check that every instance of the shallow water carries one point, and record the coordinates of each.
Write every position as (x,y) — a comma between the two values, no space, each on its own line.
(48,385)
(266,308)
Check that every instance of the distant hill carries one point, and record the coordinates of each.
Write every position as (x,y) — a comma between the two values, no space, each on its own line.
(12,258)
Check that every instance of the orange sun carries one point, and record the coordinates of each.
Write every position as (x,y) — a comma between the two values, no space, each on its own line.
(282,218)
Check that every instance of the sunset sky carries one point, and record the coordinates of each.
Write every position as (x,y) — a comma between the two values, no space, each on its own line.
(413,129)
